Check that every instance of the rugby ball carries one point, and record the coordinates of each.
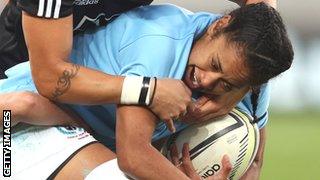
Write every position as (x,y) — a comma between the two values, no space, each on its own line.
(233,135)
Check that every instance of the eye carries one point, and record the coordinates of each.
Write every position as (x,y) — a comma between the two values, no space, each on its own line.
(226,86)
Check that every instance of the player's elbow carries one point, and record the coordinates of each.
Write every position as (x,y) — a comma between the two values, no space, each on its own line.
(42,88)
(45,80)
(127,163)
(131,158)
(124,165)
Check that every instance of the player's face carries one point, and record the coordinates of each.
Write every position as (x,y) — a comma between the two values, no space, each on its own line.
(216,66)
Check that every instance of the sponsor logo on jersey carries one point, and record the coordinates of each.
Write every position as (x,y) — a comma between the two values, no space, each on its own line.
(70,130)
(85,2)
(81,26)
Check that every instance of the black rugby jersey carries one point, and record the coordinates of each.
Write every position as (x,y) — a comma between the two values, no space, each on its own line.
(86,14)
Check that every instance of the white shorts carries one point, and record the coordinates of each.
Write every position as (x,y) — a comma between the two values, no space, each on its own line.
(36,152)
(108,170)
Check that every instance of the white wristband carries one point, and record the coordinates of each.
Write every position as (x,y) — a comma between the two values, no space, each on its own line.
(148,99)
(131,89)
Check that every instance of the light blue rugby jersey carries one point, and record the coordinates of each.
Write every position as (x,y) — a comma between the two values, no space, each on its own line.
(147,41)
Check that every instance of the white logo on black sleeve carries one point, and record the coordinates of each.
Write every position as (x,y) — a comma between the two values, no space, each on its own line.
(95,20)
(85,2)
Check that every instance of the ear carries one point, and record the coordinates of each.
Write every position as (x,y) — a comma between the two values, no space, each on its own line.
(218,25)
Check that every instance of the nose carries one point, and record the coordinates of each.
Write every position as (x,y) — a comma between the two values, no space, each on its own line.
(209,81)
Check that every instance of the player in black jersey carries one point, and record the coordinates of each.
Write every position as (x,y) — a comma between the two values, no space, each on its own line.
(46,27)
(86,14)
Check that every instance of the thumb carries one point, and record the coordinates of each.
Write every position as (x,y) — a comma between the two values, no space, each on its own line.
(226,168)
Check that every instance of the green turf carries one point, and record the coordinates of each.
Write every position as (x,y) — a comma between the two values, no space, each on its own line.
(293,147)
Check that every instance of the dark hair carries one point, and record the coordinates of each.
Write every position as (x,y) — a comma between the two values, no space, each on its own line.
(259,32)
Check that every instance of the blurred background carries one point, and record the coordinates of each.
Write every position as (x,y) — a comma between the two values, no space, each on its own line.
(293,142)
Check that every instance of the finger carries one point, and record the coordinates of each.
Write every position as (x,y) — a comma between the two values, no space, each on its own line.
(201,101)
(212,116)
(186,161)
(209,106)
(210,110)
(174,155)
(180,114)
(185,113)
(189,113)
(185,152)
(170,125)
(193,112)
(206,111)
(226,168)
(221,105)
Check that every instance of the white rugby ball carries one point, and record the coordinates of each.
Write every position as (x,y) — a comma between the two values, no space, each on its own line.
(233,135)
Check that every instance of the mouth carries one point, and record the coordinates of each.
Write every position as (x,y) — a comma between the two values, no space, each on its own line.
(194,79)
(191,78)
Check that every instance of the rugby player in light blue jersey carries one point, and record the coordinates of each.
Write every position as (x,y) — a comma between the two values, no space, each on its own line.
(219,58)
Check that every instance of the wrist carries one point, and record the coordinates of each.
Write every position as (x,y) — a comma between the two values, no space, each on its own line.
(137,90)
(153,90)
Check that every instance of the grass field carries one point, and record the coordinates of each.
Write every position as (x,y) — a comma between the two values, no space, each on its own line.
(293,146)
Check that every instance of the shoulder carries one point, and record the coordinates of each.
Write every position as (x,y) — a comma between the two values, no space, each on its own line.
(167,21)
(170,15)
(160,10)
(158,18)
(144,28)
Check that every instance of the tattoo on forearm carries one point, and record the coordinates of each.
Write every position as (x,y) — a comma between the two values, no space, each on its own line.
(64,81)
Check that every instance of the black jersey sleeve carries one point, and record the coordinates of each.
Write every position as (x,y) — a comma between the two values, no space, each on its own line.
(142,2)
(46,8)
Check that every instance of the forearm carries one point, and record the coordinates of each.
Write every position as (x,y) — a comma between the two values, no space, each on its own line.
(47,113)
(147,163)
(70,83)
(34,109)
(49,45)
(17,103)
(136,156)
